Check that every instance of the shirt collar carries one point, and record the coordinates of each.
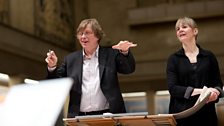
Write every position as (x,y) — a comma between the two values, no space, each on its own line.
(202,52)
(95,54)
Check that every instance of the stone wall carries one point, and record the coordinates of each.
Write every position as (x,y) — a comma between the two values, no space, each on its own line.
(4,17)
(50,24)
(152,28)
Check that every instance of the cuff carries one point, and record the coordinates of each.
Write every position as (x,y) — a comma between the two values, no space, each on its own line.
(50,69)
(221,91)
(188,92)
(124,52)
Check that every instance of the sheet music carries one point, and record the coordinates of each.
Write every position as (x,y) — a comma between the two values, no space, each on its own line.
(202,99)
(34,105)
(203,95)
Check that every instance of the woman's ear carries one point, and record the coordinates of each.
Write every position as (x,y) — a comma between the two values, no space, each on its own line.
(195,31)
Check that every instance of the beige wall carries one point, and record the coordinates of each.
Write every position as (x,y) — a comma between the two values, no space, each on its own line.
(149,23)
(152,28)
(21,15)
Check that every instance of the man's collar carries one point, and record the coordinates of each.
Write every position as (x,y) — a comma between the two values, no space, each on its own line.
(96,53)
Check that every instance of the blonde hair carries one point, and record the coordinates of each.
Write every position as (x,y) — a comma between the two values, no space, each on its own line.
(187,21)
(98,32)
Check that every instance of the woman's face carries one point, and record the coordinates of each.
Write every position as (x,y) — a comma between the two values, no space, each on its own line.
(185,33)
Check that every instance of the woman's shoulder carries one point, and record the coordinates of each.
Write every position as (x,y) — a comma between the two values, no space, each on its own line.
(206,52)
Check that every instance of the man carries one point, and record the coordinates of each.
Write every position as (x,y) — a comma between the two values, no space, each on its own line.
(94,70)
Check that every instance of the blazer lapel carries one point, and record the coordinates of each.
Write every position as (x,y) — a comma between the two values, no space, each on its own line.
(79,62)
(102,60)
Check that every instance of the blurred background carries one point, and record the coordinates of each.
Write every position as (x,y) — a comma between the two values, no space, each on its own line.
(29,28)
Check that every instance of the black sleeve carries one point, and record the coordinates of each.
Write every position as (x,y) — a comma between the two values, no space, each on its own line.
(125,63)
(174,86)
(215,74)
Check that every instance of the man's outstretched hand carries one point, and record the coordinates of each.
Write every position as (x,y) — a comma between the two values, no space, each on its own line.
(124,46)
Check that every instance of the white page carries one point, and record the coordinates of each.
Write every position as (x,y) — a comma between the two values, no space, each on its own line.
(34,105)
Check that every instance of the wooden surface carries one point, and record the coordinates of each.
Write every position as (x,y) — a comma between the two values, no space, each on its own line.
(149,120)
(220,111)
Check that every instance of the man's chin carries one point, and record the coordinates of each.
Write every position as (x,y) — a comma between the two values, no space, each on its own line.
(84,45)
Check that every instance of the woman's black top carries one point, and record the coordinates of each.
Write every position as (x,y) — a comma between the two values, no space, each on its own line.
(183,77)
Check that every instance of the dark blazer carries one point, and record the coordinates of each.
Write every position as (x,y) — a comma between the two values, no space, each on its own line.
(182,78)
(111,62)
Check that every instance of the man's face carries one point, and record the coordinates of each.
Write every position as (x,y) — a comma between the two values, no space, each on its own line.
(87,38)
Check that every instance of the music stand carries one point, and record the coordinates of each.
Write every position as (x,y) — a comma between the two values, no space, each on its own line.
(124,119)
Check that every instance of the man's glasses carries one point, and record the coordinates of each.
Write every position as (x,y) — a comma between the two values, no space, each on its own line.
(87,33)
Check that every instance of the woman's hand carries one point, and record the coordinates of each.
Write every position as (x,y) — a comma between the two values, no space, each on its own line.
(214,95)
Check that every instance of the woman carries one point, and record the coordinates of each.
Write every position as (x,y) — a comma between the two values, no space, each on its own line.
(188,71)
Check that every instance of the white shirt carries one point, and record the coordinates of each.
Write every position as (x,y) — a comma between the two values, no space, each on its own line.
(92,98)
